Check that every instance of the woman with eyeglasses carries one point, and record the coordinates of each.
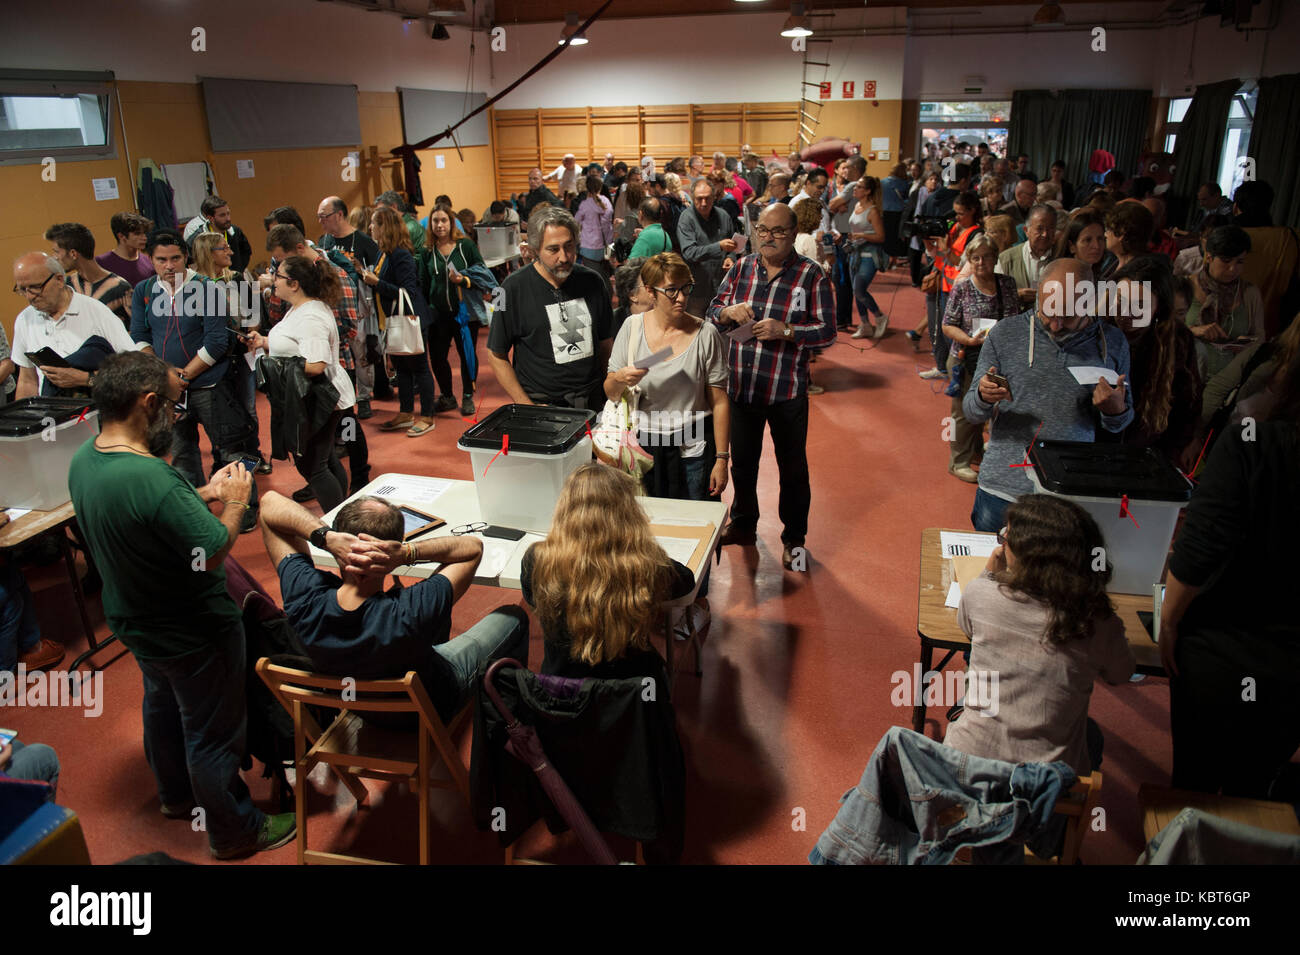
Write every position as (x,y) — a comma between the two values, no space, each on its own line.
(310,331)
(212,260)
(1042,630)
(451,255)
(395,272)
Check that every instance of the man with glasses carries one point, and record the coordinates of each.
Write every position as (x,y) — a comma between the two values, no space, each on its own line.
(64,321)
(171,316)
(557,319)
(776,306)
(704,234)
(162,552)
(214,216)
(339,236)
(351,626)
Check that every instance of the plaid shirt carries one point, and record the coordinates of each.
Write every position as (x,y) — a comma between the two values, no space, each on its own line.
(761,372)
(345,313)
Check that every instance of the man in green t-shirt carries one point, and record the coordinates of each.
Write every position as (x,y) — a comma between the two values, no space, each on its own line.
(160,552)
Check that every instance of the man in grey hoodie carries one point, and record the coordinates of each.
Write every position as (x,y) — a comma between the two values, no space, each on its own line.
(1034,351)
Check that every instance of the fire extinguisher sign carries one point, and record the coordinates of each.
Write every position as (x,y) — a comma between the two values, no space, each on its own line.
(825,90)
(848,89)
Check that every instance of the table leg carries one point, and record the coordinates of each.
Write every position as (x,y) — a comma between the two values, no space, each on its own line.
(76,589)
(918,706)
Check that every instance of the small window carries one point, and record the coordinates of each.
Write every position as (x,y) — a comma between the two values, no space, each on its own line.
(63,117)
(1178,108)
(1234,164)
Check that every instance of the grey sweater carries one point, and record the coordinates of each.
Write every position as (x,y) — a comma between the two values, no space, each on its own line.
(1045,394)
(699,243)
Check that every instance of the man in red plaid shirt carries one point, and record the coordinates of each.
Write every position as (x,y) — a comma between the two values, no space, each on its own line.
(281,242)
(775,306)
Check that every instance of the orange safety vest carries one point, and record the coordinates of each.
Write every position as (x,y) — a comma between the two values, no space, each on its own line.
(958,246)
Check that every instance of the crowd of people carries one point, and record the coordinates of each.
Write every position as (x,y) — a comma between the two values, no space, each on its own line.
(741,272)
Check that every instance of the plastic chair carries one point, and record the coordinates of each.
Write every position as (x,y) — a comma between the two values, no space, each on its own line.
(352,747)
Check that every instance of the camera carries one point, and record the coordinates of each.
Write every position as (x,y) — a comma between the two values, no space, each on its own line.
(925,227)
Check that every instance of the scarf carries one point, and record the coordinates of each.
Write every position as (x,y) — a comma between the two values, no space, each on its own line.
(1220,298)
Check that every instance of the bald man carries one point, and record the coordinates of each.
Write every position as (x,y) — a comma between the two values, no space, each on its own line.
(63,320)
(1024,375)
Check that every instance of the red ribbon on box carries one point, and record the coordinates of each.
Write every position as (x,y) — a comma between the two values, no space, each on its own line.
(505,449)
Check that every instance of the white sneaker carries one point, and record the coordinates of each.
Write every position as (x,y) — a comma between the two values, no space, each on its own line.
(932,373)
(881,324)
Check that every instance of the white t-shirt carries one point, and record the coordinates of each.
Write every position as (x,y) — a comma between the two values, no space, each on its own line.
(84,317)
(568,178)
(309,331)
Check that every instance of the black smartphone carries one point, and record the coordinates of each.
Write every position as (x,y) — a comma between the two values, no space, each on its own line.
(250,462)
(1001,382)
(505,533)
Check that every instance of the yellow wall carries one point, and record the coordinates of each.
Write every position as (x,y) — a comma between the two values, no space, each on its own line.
(860,121)
(165,122)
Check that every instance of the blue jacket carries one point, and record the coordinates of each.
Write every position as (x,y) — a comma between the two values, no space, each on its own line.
(176,331)
(482,280)
(919,801)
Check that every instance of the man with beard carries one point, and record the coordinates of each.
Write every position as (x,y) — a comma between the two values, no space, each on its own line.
(160,551)
(1034,394)
(558,320)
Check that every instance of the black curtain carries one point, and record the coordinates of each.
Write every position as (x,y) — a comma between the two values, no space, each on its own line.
(1199,146)
(1275,144)
(1070,124)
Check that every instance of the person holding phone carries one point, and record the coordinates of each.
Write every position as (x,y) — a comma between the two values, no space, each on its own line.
(1227,312)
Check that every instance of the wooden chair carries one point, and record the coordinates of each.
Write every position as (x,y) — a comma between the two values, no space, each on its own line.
(1077,806)
(353,748)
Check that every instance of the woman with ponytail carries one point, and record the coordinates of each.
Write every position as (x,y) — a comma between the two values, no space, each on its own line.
(309,331)
(1167,384)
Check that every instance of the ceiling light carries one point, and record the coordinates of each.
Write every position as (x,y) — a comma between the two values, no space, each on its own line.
(439,32)
(1050,12)
(796,24)
(570,32)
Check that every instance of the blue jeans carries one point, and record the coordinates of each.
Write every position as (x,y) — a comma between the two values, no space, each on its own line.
(502,633)
(989,513)
(864,270)
(230,429)
(35,762)
(842,276)
(19,631)
(194,736)
(246,392)
(935,306)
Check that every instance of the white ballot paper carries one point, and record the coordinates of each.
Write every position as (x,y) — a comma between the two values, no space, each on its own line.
(1091,374)
(740,239)
(413,490)
(963,544)
(680,549)
(953,599)
(649,361)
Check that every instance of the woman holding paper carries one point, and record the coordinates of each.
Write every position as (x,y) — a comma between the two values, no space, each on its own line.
(598,580)
(973,308)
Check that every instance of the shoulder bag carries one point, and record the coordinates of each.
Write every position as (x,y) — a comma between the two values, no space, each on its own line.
(402,331)
(614,436)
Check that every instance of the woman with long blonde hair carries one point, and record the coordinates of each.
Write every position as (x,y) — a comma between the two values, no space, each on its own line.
(598,580)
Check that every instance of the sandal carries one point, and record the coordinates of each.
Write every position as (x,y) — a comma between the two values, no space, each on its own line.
(421,426)
(398,423)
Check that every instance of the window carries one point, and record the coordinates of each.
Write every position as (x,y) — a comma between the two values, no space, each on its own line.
(1234,165)
(66,116)
(1177,110)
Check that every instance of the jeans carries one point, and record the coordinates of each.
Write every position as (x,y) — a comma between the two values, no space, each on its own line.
(788,421)
(246,392)
(919,801)
(935,306)
(864,270)
(845,286)
(445,332)
(230,430)
(194,736)
(989,513)
(35,762)
(502,633)
(412,376)
(319,465)
(19,631)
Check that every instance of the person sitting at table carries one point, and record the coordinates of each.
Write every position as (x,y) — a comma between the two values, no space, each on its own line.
(351,626)
(598,580)
(20,634)
(1042,630)
(1227,312)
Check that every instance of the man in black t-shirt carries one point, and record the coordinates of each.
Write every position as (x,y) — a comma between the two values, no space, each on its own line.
(557,318)
(339,234)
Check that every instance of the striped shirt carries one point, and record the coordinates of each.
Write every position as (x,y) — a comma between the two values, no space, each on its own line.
(765,372)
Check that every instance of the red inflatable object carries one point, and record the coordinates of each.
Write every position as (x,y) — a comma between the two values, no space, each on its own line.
(824,152)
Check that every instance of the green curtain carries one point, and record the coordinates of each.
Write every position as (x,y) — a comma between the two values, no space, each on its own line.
(1199,146)
(1070,124)
(1275,144)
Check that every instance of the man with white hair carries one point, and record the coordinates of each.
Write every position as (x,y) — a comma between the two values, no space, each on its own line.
(61,319)
(566,174)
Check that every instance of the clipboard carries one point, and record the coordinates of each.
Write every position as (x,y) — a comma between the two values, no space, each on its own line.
(701,535)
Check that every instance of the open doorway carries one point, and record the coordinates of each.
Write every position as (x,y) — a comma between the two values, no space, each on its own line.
(970,122)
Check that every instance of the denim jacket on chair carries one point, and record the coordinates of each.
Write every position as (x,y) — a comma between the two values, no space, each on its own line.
(919,801)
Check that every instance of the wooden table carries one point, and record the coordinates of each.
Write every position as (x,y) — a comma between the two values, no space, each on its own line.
(936,624)
(58,519)
(1160,805)
(501,565)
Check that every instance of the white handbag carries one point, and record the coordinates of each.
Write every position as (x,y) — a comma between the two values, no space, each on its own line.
(402,334)
(614,436)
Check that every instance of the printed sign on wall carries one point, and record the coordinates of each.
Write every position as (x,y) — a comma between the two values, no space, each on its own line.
(848,89)
(868,89)
(824,90)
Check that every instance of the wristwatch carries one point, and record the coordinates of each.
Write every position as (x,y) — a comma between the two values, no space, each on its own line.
(317,537)
(789,331)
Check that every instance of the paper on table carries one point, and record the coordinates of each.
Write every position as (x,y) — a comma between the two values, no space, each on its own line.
(680,549)
(649,361)
(496,554)
(17,512)
(740,239)
(742,333)
(966,544)
(1091,374)
(954,596)
(414,490)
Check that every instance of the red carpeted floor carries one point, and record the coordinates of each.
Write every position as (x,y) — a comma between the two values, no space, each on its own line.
(797,684)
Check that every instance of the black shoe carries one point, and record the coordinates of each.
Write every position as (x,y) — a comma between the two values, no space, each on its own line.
(304,494)
(363,410)
(183,810)
(444,403)
(264,467)
(249,520)
(731,534)
(467,406)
